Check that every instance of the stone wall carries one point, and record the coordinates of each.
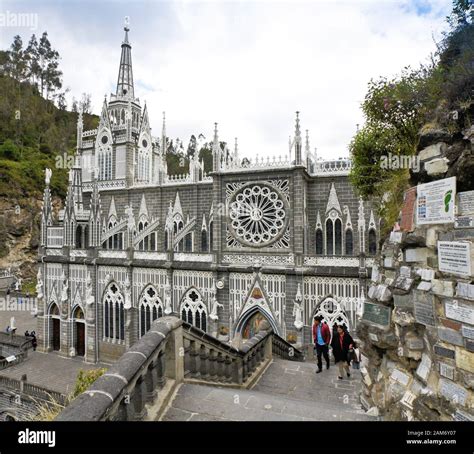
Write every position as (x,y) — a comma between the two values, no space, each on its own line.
(417,329)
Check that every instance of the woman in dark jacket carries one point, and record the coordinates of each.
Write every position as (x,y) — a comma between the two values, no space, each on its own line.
(341,343)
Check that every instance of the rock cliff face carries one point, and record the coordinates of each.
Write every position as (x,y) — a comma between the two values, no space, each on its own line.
(417,328)
(19,235)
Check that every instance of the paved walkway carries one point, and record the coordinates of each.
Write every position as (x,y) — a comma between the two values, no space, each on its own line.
(288,391)
(49,370)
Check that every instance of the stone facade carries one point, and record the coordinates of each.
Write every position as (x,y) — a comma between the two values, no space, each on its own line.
(276,237)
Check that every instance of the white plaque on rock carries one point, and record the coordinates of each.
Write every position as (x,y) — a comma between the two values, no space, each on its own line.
(447,371)
(400,377)
(460,312)
(423,369)
(454,257)
(454,393)
(467,332)
(435,202)
(466,202)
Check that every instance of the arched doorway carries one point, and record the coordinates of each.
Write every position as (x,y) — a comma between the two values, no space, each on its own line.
(55,327)
(79,331)
(332,312)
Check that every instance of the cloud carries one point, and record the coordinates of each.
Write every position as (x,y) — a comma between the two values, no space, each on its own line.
(247,65)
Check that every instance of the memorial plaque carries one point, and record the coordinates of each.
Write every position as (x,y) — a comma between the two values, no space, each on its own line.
(464,290)
(454,257)
(405,271)
(459,312)
(404,301)
(464,222)
(375,273)
(450,336)
(447,371)
(466,202)
(464,359)
(446,352)
(454,393)
(424,309)
(424,286)
(400,377)
(423,369)
(467,331)
(463,416)
(403,283)
(469,346)
(435,202)
(408,210)
(396,237)
(376,314)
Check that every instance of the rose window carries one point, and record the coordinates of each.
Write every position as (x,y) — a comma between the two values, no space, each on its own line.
(257,215)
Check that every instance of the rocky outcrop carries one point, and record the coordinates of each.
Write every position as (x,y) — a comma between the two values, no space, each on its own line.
(19,235)
(417,329)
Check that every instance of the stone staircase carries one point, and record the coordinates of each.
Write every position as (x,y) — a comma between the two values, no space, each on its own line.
(287,391)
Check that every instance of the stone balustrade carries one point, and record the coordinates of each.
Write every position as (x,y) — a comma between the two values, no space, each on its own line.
(138,386)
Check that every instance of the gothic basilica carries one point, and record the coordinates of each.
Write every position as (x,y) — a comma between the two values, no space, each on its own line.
(278,239)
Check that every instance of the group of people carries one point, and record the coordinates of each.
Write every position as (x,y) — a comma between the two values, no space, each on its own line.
(34,341)
(343,347)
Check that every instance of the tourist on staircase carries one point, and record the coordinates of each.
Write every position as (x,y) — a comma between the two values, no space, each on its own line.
(321,337)
(342,345)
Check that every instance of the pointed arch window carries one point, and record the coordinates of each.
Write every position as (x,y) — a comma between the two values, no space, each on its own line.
(193,310)
(319,242)
(334,237)
(151,308)
(349,242)
(204,243)
(188,242)
(114,323)
(329,237)
(211,235)
(372,242)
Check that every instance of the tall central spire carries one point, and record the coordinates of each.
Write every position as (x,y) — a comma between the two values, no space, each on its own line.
(125,75)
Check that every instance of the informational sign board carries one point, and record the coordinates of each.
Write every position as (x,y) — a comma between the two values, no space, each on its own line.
(454,257)
(435,202)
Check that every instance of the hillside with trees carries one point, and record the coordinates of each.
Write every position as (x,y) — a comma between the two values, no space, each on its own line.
(405,113)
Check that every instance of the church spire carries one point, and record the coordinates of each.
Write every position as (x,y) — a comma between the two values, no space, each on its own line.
(298,141)
(125,75)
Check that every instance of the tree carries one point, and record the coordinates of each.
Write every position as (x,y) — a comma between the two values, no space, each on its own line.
(17,59)
(32,61)
(50,75)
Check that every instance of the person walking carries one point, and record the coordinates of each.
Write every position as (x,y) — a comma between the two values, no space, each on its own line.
(34,342)
(322,338)
(341,343)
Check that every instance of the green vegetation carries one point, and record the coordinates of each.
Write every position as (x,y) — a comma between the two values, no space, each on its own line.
(397,109)
(48,411)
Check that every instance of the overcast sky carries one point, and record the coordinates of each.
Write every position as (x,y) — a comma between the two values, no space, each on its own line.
(247,65)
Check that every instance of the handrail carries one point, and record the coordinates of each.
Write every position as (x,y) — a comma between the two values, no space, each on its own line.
(145,368)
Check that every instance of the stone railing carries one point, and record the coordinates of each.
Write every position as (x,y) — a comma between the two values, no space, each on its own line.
(283,349)
(210,360)
(141,383)
(332,168)
(32,391)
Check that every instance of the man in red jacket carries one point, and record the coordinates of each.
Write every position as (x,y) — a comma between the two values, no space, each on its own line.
(322,338)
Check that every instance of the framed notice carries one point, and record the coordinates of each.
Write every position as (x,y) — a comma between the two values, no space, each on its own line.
(435,202)
(454,257)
